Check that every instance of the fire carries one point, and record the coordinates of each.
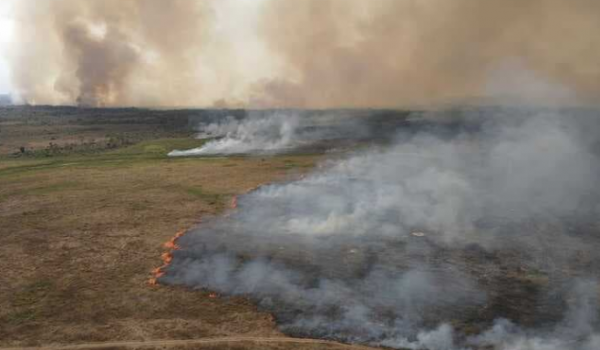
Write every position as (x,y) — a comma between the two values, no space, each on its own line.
(234,200)
(166,257)
(171,246)
(171,243)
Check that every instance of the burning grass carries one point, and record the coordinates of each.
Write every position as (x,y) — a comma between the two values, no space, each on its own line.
(103,220)
(442,236)
(171,246)
(167,257)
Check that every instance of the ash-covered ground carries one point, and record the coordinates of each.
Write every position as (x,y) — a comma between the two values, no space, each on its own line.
(455,229)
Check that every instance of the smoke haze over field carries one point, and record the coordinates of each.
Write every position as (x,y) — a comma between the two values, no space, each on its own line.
(282,130)
(310,53)
(471,228)
(392,245)
(252,135)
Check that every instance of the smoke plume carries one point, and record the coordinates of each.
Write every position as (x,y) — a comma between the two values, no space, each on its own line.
(282,131)
(412,245)
(308,54)
(110,53)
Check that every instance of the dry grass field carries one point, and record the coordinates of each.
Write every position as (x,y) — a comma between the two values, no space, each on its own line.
(80,234)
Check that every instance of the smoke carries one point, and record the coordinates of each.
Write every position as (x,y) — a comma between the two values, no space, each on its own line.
(576,331)
(398,53)
(309,54)
(412,245)
(280,131)
(107,53)
(261,134)
(103,63)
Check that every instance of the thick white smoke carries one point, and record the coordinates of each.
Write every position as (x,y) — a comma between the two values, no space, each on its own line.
(577,331)
(406,246)
(264,134)
(275,132)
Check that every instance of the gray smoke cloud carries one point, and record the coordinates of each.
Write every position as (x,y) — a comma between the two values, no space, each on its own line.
(411,244)
(260,134)
(578,330)
(404,53)
(280,131)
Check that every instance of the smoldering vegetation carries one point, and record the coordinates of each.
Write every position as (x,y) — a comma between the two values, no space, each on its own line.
(292,130)
(478,233)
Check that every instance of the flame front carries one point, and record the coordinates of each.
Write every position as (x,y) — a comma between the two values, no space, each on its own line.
(234,200)
(171,246)
(166,257)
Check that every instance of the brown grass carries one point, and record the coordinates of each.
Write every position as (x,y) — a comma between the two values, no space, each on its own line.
(80,235)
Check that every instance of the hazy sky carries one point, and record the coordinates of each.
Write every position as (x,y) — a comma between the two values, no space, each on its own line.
(239,14)
(6,35)
(299,53)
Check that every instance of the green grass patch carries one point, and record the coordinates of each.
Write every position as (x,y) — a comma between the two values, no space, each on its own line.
(160,147)
(39,190)
(32,294)
(29,301)
(291,164)
(210,198)
(20,317)
(142,152)
(61,186)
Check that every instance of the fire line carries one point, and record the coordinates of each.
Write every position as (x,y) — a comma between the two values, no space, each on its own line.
(171,246)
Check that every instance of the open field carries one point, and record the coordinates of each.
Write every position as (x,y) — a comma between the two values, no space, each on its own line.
(48,131)
(80,233)
(230,343)
(83,224)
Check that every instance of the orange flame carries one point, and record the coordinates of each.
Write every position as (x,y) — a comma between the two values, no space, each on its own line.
(234,200)
(166,257)
(171,246)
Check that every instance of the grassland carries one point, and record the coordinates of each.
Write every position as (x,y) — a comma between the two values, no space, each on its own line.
(80,233)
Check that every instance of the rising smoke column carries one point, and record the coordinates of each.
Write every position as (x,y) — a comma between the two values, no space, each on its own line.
(394,246)
(110,52)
